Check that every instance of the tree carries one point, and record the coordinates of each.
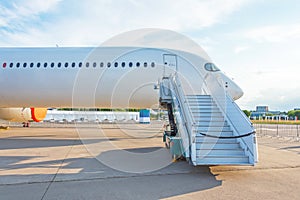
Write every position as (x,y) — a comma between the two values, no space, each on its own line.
(297,114)
(291,113)
(247,113)
(294,113)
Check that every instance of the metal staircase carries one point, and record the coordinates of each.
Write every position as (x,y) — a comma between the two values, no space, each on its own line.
(212,130)
(213,142)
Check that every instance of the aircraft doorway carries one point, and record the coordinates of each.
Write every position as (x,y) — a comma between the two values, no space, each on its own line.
(170,64)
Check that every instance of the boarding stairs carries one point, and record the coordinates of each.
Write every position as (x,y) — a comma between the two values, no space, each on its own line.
(208,134)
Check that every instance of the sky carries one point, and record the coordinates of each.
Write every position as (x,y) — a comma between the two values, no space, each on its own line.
(255,42)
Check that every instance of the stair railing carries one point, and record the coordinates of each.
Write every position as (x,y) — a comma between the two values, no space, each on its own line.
(187,119)
(240,124)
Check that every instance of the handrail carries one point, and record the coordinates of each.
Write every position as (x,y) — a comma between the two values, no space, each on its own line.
(215,88)
(231,137)
(242,113)
(185,112)
(232,101)
(186,108)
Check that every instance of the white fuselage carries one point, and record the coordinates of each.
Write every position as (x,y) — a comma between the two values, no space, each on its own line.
(96,77)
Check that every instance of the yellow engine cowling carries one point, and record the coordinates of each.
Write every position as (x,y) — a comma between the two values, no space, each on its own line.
(23,114)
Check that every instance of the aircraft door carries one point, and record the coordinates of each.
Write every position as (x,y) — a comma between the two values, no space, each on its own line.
(170,64)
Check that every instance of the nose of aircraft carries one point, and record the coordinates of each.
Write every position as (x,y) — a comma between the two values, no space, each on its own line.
(237,92)
(232,88)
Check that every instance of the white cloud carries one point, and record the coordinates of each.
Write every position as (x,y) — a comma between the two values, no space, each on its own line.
(283,99)
(274,33)
(277,87)
(30,7)
(22,11)
(240,49)
(90,22)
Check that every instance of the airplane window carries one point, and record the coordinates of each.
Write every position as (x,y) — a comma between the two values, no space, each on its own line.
(80,64)
(152,64)
(18,65)
(94,64)
(87,64)
(101,64)
(73,64)
(24,65)
(123,64)
(52,65)
(108,64)
(116,64)
(138,64)
(130,64)
(59,65)
(4,65)
(38,65)
(11,65)
(211,67)
(45,65)
(31,65)
(66,65)
(145,64)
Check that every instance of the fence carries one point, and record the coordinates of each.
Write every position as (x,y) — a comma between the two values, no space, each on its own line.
(65,124)
(278,130)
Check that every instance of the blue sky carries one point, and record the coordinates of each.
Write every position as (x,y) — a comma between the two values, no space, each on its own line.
(257,42)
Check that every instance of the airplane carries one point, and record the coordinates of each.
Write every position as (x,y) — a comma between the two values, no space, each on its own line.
(34,79)
(131,71)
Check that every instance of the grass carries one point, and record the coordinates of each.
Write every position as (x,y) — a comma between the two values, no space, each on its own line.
(275,122)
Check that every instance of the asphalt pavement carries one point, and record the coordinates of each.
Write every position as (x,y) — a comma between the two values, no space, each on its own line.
(85,163)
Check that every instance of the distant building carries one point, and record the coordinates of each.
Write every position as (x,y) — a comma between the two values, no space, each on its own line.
(263,112)
(262,109)
(89,116)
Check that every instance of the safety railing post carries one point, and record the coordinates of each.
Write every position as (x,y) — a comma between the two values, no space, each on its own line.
(298,132)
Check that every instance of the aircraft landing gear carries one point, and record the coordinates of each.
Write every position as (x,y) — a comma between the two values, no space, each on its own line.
(26,124)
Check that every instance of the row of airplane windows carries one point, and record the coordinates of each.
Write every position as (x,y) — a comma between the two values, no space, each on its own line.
(73,64)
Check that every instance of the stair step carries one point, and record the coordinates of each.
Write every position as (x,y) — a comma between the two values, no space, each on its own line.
(200,102)
(207,116)
(220,152)
(210,123)
(212,126)
(223,146)
(209,119)
(214,140)
(221,160)
(205,112)
(198,110)
(202,105)
(197,101)
(203,108)
(213,129)
(198,96)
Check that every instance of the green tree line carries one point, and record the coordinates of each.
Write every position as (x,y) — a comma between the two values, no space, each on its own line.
(294,113)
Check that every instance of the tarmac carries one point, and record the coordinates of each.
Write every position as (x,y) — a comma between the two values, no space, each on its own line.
(69,163)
